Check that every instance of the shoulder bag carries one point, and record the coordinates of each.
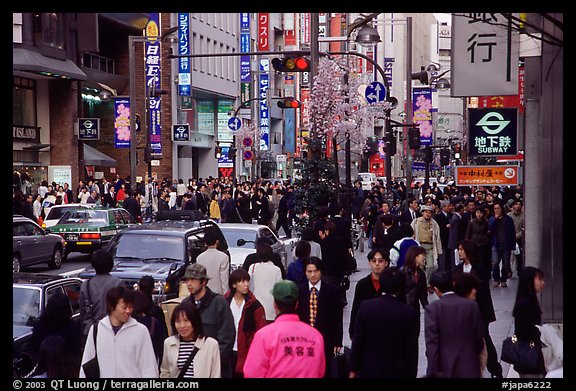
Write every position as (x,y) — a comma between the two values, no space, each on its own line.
(525,356)
(188,361)
(91,367)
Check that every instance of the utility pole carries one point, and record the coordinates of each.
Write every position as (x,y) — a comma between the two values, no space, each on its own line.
(409,115)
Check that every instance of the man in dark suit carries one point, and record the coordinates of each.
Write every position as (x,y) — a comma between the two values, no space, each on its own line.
(132,205)
(454,332)
(385,341)
(342,223)
(410,214)
(369,286)
(443,219)
(336,257)
(325,314)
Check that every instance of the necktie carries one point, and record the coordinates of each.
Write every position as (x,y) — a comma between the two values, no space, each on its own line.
(413,215)
(313,305)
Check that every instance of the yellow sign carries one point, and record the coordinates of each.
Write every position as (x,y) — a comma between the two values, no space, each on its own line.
(486,175)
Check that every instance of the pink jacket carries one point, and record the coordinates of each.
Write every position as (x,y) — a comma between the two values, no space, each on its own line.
(287,348)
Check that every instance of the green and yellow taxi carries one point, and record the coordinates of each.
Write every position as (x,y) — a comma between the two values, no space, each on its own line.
(86,230)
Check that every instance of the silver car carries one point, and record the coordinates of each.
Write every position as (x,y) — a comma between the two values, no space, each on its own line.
(32,245)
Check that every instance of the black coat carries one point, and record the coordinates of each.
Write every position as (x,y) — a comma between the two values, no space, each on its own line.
(483,295)
(385,341)
(132,206)
(442,221)
(343,229)
(335,256)
(406,217)
(364,290)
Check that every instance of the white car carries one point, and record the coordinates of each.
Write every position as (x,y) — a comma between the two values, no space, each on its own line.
(368,180)
(57,211)
(236,232)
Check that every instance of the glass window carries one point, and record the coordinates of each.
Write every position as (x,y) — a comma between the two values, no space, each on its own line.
(266,233)
(25,305)
(118,217)
(86,217)
(24,102)
(148,246)
(73,293)
(49,29)
(128,219)
(205,109)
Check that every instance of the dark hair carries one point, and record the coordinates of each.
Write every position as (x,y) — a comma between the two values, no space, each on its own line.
(210,237)
(470,249)
(406,230)
(264,252)
(54,359)
(481,209)
(410,257)
(192,314)
(102,261)
(374,251)
(526,287)
(465,282)
(146,285)
(288,307)
(141,303)
(307,234)
(458,207)
(442,281)
(57,312)
(314,261)
(330,227)
(237,276)
(392,281)
(302,249)
(114,295)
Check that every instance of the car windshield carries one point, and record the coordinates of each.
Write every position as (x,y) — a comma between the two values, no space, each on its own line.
(232,235)
(56,213)
(148,246)
(25,306)
(86,217)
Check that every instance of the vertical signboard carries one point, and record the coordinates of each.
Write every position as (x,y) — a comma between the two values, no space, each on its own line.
(121,122)
(388,66)
(305,30)
(485,50)
(422,109)
(263,32)
(289,131)
(264,112)
(244,47)
(224,107)
(153,77)
(492,132)
(289,31)
(183,48)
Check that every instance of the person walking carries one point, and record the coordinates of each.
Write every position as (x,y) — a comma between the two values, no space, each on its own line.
(368,287)
(123,345)
(398,250)
(443,218)
(189,353)
(263,275)
(217,319)
(216,262)
(296,270)
(93,291)
(471,265)
(146,285)
(308,236)
(385,340)
(415,291)
(453,331)
(140,312)
(478,231)
(267,356)
(527,313)
(249,317)
(427,233)
(215,208)
(319,306)
(517,215)
(456,234)
(503,242)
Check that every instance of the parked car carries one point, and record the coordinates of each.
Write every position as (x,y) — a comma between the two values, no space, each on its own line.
(241,240)
(86,230)
(57,211)
(368,180)
(30,294)
(162,249)
(32,245)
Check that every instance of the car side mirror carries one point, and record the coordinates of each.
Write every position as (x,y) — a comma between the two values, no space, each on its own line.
(240,242)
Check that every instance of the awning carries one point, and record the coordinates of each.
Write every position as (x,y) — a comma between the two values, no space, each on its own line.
(94,157)
(30,61)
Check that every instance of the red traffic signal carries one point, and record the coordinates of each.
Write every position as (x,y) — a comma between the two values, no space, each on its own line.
(291,64)
(288,103)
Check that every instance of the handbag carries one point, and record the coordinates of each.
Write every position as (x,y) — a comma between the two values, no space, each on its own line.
(91,367)
(525,356)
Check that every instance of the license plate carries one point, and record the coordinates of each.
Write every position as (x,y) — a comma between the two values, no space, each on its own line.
(72,237)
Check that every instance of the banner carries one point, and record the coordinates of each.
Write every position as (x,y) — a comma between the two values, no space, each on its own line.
(264,112)
(121,122)
(153,77)
(492,132)
(422,109)
(263,32)
(184,77)
(486,175)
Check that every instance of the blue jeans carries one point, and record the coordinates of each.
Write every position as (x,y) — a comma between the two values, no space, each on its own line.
(500,255)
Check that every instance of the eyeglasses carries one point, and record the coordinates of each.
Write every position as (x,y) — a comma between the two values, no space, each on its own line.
(378,260)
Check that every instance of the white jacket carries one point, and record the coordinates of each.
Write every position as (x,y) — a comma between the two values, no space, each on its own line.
(129,353)
(263,276)
(206,362)
(217,269)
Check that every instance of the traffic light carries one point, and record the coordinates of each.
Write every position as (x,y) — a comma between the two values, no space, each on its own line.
(422,76)
(391,144)
(428,155)
(288,103)
(232,153)
(218,152)
(444,156)
(457,151)
(148,154)
(291,64)
(371,146)
(414,138)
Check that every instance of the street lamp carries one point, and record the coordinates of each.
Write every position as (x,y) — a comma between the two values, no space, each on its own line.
(132,39)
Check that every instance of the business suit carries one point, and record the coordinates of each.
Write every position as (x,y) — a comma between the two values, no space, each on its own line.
(385,341)
(443,221)
(328,316)
(364,290)
(454,334)
(406,217)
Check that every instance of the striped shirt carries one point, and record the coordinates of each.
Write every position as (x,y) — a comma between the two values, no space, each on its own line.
(183,354)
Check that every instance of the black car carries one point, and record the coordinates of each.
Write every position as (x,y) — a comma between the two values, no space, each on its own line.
(30,294)
(162,249)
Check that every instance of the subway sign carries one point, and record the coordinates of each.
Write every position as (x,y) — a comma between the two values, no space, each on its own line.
(493,132)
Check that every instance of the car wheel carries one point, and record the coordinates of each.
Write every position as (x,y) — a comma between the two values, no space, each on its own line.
(56,261)
(15,264)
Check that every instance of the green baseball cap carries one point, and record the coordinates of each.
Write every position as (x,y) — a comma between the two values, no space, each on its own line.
(285,291)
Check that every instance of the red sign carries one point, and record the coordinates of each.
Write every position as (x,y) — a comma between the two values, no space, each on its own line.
(225,172)
(486,175)
(247,155)
(377,165)
(247,142)
(305,106)
(90,171)
(263,32)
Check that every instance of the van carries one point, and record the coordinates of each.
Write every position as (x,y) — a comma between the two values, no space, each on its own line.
(368,180)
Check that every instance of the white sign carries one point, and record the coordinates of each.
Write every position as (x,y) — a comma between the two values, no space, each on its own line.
(60,174)
(484,61)
(280,158)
